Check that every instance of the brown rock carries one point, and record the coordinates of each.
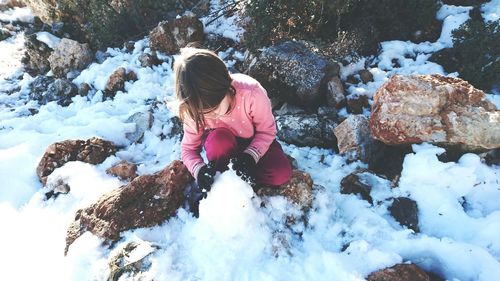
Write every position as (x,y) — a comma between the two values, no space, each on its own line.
(124,170)
(131,76)
(116,81)
(356,104)
(171,35)
(148,60)
(366,76)
(400,272)
(435,109)
(355,184)
(146,201)
(298,189)
(92,151)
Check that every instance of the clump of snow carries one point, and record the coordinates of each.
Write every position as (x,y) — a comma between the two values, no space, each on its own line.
(491,10)
(51,40)
(17,15)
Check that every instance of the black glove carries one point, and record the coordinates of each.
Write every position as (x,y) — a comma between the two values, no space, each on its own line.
(205,178)
(245,167)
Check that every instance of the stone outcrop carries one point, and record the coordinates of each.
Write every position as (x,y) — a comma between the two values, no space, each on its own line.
(105,23)
(69,55)
(291,72)
(402,272)
(435,109)
(123,170)
(93,151)
(307,130)
(171,35)
(146,201)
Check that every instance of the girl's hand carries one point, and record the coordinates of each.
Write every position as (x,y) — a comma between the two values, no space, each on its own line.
(205,177)
(245,167)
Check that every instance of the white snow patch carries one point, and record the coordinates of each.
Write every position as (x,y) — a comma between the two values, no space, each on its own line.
(51,40)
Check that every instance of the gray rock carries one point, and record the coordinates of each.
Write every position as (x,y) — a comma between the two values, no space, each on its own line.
(143,122)
(356,183)
(365,76)
(290,71)
(39,87)
(132,259)
(69,55)
(148,60)
(335,93)
(62,90)
(306,130)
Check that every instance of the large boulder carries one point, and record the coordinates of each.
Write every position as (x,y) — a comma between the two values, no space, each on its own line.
(93,151)
(105,23)
(292,72)
(146,201)
(171,35)
(436,109)
(307,130)
(69,55)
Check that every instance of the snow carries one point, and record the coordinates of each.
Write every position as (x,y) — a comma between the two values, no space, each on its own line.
(51,40)
(228,27)
(235,238)
(491,10)
(17,15)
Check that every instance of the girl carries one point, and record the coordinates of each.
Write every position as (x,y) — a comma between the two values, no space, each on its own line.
(231,117)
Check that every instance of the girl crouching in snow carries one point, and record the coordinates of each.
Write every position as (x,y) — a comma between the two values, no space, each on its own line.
(231,117)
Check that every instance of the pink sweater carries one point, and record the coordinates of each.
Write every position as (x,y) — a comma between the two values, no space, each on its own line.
(251,117)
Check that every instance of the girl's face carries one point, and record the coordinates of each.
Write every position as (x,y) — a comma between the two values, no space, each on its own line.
(222,109)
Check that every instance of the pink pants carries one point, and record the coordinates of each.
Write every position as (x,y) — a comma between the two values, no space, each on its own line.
(272,169)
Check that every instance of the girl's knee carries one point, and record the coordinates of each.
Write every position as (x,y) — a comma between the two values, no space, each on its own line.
(220,142)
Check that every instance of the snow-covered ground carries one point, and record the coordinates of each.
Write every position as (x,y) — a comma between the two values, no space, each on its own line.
(236,239)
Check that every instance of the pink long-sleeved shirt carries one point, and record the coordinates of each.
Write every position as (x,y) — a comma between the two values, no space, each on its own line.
(251,117)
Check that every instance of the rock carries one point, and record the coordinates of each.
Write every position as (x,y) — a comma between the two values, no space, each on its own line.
(356,184)
(129,46)
(201,8)
(143,122)
(405,211)
(400,272)
(61,90)
(387,160)
(4,34)
(9,4)
(84,89)
(69,55)
(329,112)
(123,170)
(177,127)
(365,76)
(131,76)
(116,82)
(492,157)
(39,87)
(93,151)
(353,138)
(287,109)
(299,190)
(146,201)
(171,35)
(104,24)
(355,104)
(436,109)
(351,79)
(335,93)
(291,71)
(131,260)
(306,130)
(148,60)
(36,58)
